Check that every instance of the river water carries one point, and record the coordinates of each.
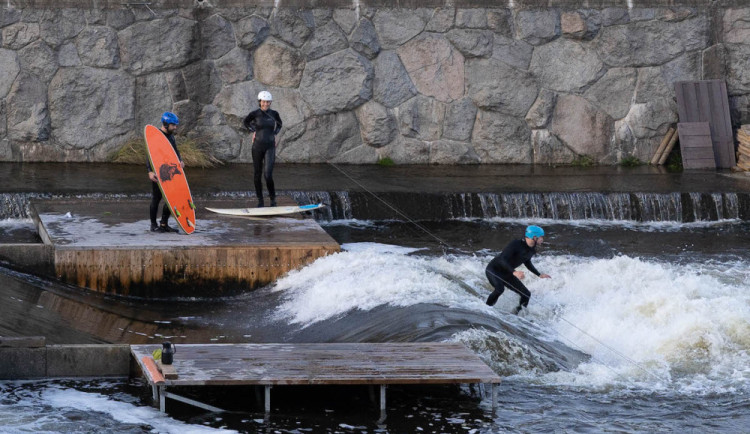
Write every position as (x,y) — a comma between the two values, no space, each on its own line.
(644,326)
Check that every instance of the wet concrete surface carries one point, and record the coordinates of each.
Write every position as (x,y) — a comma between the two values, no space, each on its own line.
(83,178)
(124,224)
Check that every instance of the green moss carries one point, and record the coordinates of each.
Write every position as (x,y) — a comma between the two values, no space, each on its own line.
(194,152)
(674,161)
(386,162)
(583,161)
(631,161)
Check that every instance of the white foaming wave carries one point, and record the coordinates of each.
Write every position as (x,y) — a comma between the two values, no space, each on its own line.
(380,248)
(371,275)
(647,226)
(645,323)
(12,223)
(123,412)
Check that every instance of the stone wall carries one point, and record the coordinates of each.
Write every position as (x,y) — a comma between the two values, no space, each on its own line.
(446,82)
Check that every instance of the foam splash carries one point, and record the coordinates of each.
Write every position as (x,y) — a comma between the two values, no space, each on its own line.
(57,408)
(663,324)
(379,248)
(17,223)
(644,323)
(371,275)
(647,226)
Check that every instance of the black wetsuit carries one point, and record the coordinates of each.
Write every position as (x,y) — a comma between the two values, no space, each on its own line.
(500,271)
(265,125)
(156,195)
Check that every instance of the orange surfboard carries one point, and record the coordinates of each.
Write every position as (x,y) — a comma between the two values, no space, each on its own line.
(172,181)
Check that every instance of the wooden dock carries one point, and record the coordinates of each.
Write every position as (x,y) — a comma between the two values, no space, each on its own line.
(269,365)
(106,245)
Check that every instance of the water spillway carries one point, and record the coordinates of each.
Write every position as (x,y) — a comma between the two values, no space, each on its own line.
(346,205)
(641,207)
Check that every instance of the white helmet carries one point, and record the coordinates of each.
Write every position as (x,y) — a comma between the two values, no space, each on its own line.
(265,96)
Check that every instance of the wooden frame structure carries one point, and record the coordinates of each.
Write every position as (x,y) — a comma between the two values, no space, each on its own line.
(269,365)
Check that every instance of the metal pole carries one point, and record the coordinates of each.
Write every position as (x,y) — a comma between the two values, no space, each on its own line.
(382,404)
(162,399)
(268,399)
(382,397)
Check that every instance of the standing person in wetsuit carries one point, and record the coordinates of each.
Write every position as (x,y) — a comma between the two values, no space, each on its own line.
(264,123)
(501,271)
(169,122)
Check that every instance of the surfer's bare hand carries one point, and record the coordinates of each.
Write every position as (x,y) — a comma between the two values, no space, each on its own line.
(182,164)
(152,176)
(544,276)
(519,274)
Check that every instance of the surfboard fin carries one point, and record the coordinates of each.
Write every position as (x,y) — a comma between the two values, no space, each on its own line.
(176,212)
(192,205)
(190,224)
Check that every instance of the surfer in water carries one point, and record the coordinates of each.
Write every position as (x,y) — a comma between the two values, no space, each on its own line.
(501,271)
(169,123)
(264,123)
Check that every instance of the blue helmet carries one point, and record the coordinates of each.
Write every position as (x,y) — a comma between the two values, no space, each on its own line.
(170,118)
(534,231)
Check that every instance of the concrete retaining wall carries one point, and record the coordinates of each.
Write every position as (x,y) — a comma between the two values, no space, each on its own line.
(441,82)
(32,258)
(29,357)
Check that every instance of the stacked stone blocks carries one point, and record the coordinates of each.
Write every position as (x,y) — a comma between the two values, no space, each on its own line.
(354,85)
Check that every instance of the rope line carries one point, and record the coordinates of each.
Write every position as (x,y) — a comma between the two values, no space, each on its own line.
(510,286)
(396,210)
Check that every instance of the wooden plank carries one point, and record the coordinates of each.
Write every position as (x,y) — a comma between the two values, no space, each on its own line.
(693,129)
(696,146)
(707,101)
(703,94)
(721,125)
(692,113)
(343,364)
(721,108)
(167,371)
(679,90)
(697,163)
(699,153)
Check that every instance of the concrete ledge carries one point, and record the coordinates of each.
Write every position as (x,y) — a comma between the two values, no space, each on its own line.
(27,358)
(22,342)
(88,360)
(23,363)
(35,258)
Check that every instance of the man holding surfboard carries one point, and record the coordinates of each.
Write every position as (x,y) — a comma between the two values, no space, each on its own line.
(501,271)
(169,123)
(264,123)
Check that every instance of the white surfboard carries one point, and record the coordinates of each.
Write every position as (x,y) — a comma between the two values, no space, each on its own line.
(265,211)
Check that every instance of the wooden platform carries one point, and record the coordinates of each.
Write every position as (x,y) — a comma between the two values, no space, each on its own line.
(107,246)
(313,364)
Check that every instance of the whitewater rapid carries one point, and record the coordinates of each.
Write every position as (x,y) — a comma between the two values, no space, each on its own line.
(645,324)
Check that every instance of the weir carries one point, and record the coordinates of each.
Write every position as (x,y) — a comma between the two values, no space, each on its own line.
(344,205)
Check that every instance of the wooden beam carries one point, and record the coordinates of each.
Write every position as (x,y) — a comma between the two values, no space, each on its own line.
(663,145)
